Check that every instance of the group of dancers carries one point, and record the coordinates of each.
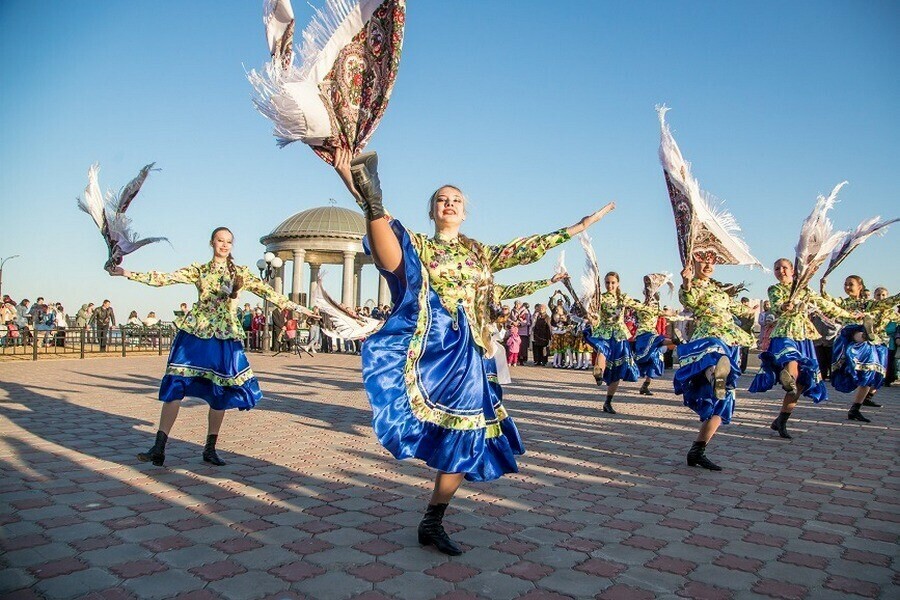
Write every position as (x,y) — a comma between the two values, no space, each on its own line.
(429,371)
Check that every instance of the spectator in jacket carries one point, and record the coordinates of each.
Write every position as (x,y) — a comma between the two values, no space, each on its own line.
(103,319)
(540,335)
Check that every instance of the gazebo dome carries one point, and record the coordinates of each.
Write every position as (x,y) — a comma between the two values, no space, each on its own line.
(325,221)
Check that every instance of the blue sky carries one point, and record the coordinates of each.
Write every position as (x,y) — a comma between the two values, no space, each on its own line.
(539,114)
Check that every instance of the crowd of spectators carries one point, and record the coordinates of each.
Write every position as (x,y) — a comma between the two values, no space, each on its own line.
(23,322)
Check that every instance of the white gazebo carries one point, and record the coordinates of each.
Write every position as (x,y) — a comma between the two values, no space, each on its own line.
(328,235)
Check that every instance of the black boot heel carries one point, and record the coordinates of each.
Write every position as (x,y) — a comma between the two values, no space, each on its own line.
(696,457)
(431,531)
(156,454)
(209,452)
(780,425)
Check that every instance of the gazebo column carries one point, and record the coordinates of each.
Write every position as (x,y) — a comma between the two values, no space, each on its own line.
(357,284)
(313,281)
(347,289)
(278,280)
(297,275)
(384,292)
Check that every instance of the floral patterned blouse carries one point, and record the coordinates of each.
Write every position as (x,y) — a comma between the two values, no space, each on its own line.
(714,311)
(882,311)
(796,324)
(610,319)
(214,315)
(517,290)
(461,272)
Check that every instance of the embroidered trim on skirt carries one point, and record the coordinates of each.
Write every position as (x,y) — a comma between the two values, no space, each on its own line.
(211,369)
(783,350)
(434,394)
(690,379)
(620,365)
(857,364)
(648,354)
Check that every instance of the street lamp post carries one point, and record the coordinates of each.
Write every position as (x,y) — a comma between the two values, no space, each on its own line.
(3,262)
(268,266)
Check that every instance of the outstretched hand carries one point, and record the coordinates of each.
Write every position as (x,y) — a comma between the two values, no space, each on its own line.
(117,271)
(559,277)
(589,220)
(342,158)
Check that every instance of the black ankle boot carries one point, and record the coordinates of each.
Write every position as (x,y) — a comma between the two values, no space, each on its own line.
(696,457)
(855,415)
(156,454)
(607,406)
(780,425)
(209,451)
(645,390)
(869,402)
(431,531)
(364,170)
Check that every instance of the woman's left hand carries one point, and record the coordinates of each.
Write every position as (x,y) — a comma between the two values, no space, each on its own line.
(559,277)
(589,220)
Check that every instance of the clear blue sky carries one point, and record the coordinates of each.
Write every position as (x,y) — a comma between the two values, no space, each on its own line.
(540,115)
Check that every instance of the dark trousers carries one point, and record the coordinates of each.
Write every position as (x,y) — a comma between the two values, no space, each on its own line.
(540,354)
(823,355)
(102,337)
(523,351)
(745,356)
(668,359)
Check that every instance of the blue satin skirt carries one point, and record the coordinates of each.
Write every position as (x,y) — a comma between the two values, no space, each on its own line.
(648,354)
(434,394)
(620,365)
(691,383)
(857,364)
(783,350)
(211,369)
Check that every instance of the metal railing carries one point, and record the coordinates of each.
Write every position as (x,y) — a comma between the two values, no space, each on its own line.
(72,341)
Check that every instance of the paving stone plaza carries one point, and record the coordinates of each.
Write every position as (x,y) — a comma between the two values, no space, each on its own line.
(311,506)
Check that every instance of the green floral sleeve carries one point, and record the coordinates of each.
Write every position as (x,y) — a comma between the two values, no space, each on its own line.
(522,251)
(830,308)
(689,297)
(887,303)
(778,295)
(739,309)
(255,285)
(517,290)
(190,274)
(631,303)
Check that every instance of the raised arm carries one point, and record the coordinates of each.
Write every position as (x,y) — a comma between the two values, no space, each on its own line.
(831,309)
(526,288)
(385,246)
(255,285)
(525,250)
(189,274)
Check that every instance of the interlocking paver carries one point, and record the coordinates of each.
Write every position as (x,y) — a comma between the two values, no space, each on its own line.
(311,506)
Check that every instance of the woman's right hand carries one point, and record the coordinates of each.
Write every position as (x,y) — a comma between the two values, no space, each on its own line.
(118,272)
(342,158)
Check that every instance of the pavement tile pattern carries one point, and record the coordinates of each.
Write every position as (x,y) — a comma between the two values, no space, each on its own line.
(310,506)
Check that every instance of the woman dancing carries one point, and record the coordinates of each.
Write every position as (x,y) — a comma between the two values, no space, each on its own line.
(429,372)
(709,362)
(649,345)
(859,352)
(207,359)
(791,357)
(609,337)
